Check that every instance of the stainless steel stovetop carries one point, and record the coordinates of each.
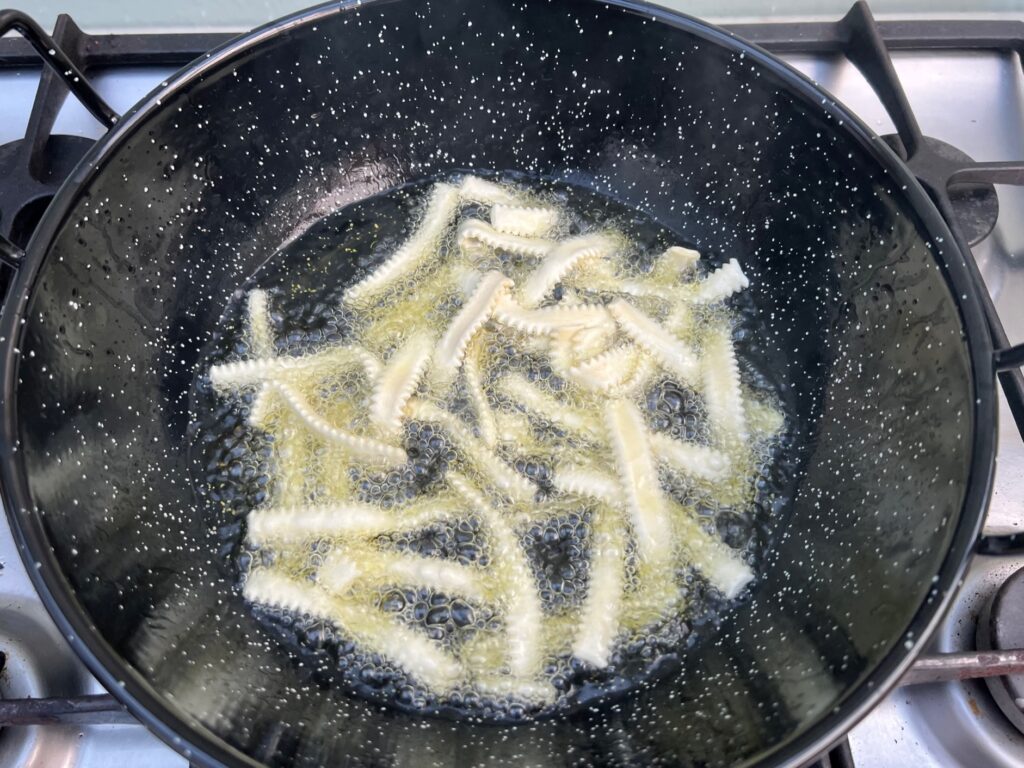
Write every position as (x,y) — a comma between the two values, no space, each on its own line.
(973,100)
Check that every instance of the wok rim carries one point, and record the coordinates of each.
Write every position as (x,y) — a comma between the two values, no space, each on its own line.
(196,741)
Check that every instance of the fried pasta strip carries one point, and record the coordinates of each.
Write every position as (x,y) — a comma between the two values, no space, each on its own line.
(358,446)
(343,569)
(722,391)
(279,526)
(447,356)
(599,616)
(471,371)
(527,221)
(441,207)
(440,334)
(524,614)
(255,371)
(639,478)
(398,381)
(409,649)
(662,345)
(689,459)
(722,283)
(562,259)
(554,319)
(474,233)
(540,403)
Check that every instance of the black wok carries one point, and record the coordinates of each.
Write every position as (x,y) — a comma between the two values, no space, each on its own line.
(867,307)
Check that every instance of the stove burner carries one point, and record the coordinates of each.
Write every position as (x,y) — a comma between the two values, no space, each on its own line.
(30,181)
(1001,627)
(975,206)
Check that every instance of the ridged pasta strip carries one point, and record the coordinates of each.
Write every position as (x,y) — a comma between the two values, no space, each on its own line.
(441,207)
(662,345)
(553,319)
(610,371)
(358,445)
(599,616)
(689,459)
(673,263)
(479,190)
(470,319)
(243,373)
(261,337)
(716,561)
(341,571)
(407,648)
(475,233)
(564,257)
(398,380)
(524,613)
(528,221)
(722,392)
(542,404)
(722,283)
(588,483)
(485,422)
(292,525)
(639,478)
(303,523)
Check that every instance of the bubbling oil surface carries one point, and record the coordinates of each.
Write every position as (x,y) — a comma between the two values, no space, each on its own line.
(243,467)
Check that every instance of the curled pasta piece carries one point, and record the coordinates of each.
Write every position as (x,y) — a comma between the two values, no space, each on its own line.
(716,561)
(540,403)
(477,311)
(572,346)
(341,571)
(689,458)
(639,478)
(524,612)
(662,345)
(261,337)
(358,445)
(479,190)
(443,204)
(674,262)
(554,319)
(407,648)
(527,221)
(564,257)
(599,616)
(485,421)
(609,371)
(504,477)
(722,283)
(722,392)
(474,232)
(398,381)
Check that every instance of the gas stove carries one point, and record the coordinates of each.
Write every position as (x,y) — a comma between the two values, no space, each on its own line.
(963,81)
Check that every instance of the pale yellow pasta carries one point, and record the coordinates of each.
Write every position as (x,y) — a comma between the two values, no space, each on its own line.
(518,359)
(529,221)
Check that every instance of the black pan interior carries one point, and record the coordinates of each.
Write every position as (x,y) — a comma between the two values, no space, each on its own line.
(703,138)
